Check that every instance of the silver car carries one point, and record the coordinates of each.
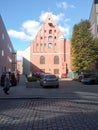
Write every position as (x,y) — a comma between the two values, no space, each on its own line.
(49,80)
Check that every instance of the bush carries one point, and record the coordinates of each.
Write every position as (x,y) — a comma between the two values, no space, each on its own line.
(32,79)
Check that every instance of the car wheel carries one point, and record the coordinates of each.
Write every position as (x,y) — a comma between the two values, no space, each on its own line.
(57,86)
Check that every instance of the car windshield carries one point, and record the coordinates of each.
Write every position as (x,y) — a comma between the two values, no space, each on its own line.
(50,76)
(90,76)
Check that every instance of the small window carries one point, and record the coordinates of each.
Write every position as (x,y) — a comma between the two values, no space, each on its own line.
(55,37)
(54,44)
(41,37)
(2,52)
(41,44)
(50,45)
(44,44)
(50,31)
(54,30)
(56,71)
(56,60)
(2,36)
(45,31)
(50,38)
(42,60)
(9,48)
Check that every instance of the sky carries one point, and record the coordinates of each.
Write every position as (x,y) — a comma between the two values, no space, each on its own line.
(24,18)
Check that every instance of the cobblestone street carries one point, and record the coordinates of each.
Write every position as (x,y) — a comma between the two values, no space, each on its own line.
(48,114)
(73,106)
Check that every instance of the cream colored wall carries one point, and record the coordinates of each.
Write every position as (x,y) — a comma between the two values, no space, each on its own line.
(26,61)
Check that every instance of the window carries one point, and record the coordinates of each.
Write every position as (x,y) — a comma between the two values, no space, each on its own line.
(41,37)
(56,60)
(2,36)
(2,52)
(41,44)
(50,31)
(54,44)
(56,71)
(55,37)
(50,45)
(50,38)
(42,60)
(44,44)
(9,48)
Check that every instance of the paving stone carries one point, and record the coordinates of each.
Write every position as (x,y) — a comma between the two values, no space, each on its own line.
(48,114)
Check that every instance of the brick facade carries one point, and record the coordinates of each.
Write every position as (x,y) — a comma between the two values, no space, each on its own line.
(50,52)
(7,53)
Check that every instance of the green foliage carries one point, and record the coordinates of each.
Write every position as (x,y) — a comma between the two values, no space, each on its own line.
(32,78)
(84,47)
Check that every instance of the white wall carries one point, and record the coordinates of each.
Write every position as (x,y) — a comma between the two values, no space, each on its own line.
(26,61)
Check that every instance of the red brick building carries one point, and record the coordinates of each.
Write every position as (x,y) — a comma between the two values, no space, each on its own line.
(7,52)
(50,52)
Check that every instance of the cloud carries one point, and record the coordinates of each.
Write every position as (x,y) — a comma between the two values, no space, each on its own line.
(65,29)
(19,34)
(29,28)
(19,55)
(27,32)
(64,5)
(56,18)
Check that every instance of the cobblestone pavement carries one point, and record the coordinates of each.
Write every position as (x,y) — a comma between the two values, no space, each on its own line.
(48,114)
(73,106)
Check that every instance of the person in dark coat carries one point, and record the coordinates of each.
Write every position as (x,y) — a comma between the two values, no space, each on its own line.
(6,84)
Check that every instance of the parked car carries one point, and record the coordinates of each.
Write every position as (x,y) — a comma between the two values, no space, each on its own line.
(49,80)
(83,75)
(91,79)
(64,75)
(13,78)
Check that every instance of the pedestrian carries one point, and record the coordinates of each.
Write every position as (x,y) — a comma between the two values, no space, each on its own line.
(6,84)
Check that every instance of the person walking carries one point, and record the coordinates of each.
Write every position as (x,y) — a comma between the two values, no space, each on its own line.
(6,84)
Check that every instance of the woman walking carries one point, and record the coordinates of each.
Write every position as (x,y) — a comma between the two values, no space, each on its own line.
(6,84)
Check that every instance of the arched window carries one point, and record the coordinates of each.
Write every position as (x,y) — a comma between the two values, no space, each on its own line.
(50,38)
(50,45)
(56,60)
(42,60)
(50,31)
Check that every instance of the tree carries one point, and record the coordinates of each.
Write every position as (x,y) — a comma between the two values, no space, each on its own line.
(84,47)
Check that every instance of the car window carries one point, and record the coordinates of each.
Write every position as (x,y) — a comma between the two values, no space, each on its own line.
(50,76)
